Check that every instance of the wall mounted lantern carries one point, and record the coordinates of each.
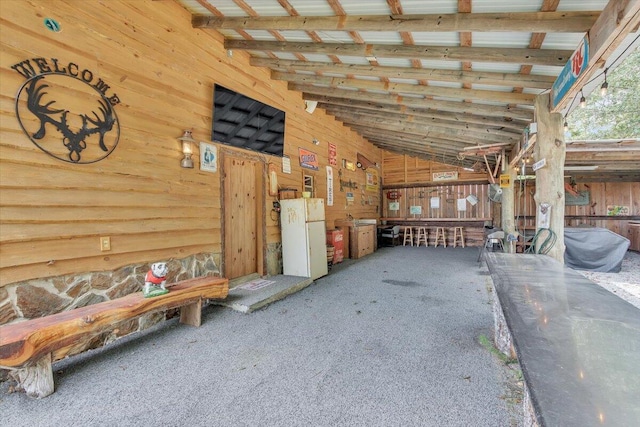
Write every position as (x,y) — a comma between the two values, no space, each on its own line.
(187,149)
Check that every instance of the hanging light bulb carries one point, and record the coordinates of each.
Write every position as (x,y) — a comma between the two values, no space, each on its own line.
(605,85)
(583,101)
(566,125)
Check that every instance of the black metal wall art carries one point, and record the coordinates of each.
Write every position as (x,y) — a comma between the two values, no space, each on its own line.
(66,112)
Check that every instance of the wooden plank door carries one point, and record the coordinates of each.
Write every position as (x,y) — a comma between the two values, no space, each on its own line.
(242,217)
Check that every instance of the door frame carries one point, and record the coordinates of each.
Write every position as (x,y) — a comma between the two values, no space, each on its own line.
(261,230)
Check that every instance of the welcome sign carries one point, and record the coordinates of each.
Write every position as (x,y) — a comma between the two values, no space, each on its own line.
(66,110)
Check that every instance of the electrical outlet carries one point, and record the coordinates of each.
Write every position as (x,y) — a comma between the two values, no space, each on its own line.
(105,243)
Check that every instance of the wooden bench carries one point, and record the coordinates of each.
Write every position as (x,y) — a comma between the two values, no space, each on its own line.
(578,344)
(27,349)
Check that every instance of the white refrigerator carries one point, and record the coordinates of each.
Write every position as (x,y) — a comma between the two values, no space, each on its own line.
(304,239)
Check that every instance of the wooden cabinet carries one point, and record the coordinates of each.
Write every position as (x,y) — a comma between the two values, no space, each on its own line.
(364,242)
(362,238)
(634,236)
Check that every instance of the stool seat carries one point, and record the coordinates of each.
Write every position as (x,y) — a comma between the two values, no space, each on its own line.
(408,236)
(458,236)
(440,235)
(421,236)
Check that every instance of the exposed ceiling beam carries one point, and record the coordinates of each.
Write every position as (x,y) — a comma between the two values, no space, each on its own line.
(544,22)
(315,93)
(552,57)
(445,92)
(342,105)
(427,131)
(431,74)
(344,113)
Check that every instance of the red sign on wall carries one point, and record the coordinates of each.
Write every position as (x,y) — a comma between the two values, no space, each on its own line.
(333,155)
(393,194)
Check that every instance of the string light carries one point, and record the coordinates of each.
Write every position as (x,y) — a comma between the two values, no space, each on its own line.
(583,101)
(605,85)
(566,125)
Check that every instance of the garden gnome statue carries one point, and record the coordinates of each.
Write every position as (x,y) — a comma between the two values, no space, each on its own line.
(155,280)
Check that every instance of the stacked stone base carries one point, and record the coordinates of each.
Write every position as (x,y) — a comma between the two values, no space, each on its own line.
(41,297)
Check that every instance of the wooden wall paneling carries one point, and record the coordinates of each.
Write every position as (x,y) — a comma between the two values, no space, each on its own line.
(152,58)
(55,267)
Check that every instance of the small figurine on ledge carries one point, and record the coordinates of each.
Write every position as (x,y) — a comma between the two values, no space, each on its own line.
(155,280)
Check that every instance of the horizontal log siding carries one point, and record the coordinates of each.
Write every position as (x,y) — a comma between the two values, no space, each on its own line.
(52,213)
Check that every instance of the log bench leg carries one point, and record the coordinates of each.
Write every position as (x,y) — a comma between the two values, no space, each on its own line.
(191,314)
(36,380)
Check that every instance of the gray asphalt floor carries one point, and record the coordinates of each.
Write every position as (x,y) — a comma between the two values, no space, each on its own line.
(388,340)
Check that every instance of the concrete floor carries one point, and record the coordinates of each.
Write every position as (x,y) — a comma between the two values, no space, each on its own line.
(390,339)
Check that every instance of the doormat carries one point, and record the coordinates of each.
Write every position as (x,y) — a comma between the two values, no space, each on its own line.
(254,285)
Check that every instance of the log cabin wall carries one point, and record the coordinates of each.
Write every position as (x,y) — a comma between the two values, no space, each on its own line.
(411,180)
(53,213)
(598,211)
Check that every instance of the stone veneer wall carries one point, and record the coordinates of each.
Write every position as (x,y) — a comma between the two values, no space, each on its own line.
(274,259)
(37,298)
(41,297)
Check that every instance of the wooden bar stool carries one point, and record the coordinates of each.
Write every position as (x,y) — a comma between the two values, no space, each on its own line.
(458,236)
(440,235)
(408,236)
(421,236)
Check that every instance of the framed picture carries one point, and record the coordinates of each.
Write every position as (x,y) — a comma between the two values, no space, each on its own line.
(208,157)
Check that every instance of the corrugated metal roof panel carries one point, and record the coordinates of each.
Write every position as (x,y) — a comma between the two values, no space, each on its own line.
(492,88)
(569,41)
(226,7)
(494,6)
(261,35)
(546,70)
(502,40)
(436,39)
(495,67)
(582,4)
(381,37)
(312,7)
(365,7)
(265,7)
(431,6)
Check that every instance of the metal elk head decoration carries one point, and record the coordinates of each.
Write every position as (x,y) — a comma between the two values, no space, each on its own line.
(66,112)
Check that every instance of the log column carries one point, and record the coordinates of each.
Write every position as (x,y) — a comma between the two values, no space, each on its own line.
(508,208)
(550,179)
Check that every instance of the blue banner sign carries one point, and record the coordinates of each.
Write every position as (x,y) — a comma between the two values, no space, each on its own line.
(576,65)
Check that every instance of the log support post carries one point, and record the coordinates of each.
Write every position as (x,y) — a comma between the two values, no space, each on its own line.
(550,179)
(508,208)
(191,314)
(37,379)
